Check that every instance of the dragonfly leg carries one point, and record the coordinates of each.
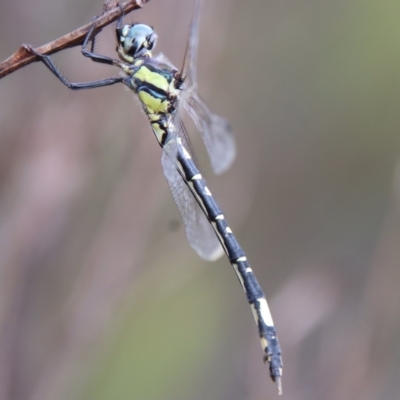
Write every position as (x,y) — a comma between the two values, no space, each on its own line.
(72,85)
(91,36)
(120,19)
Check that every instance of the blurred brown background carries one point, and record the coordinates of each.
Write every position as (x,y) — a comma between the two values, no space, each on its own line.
(101,296)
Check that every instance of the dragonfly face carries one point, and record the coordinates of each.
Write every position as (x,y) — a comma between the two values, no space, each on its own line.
(136,40)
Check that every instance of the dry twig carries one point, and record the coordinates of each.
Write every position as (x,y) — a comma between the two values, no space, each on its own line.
(111,12)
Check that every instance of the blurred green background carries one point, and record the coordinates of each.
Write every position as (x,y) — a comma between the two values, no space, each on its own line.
(101,296)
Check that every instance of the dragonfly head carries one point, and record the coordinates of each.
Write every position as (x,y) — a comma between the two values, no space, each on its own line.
(134,41)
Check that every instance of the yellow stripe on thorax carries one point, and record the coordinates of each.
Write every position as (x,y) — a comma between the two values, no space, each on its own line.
(152,104)
(157,80)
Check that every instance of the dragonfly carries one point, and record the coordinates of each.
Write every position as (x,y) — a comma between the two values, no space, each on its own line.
(163,91)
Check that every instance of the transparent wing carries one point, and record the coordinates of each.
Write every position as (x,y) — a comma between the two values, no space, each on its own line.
(189,67)
(198,229)
(215,130)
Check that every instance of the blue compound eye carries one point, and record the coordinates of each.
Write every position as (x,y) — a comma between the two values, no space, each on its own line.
(137,39)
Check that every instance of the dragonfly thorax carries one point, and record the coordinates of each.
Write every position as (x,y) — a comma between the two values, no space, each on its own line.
(134,41)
